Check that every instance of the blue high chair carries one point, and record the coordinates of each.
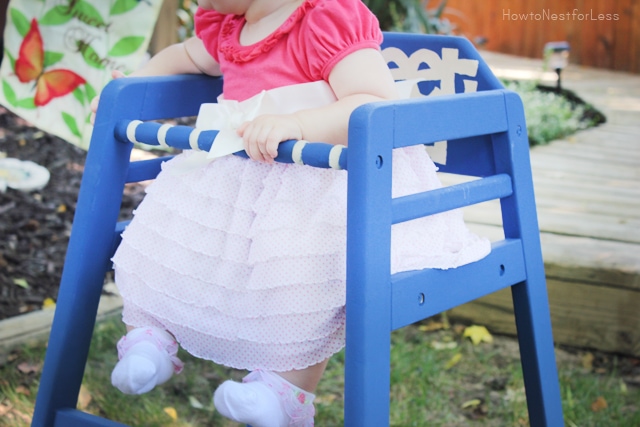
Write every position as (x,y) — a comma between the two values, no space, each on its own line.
(484,125)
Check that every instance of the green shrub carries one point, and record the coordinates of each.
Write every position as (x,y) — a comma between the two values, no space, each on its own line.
(549,115)
(412,16)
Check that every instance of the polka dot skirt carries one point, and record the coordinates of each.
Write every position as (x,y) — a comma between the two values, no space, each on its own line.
(244,263)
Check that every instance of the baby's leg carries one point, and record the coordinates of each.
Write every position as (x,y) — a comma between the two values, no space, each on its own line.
(147,358)
(268,399)
(308,378)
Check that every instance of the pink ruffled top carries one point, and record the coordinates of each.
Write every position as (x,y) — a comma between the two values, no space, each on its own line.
(304,49)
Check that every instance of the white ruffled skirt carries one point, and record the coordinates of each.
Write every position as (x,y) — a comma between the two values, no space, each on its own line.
(245,263)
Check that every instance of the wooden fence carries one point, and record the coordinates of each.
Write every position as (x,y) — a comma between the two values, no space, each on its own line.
(166,30)
(603,34)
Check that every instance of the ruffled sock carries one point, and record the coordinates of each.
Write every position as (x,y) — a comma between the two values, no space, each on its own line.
(265,399)
(147,358)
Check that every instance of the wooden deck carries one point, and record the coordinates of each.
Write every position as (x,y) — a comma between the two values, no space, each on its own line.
(588,196)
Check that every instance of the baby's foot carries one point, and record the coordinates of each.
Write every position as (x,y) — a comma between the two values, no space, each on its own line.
(265,399)
(250,403)
(147,358)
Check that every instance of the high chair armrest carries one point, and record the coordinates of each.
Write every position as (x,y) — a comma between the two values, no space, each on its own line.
(158,97)
(431,119)
(469,122)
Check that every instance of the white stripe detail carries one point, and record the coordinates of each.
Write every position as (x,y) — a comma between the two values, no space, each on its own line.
(131,131)
(162,134)
(296,153)
(334,156)
(193,139)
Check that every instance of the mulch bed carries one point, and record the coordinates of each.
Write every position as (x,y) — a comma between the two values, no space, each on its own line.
(35,226)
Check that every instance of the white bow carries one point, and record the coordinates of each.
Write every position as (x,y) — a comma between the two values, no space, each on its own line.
(227,115)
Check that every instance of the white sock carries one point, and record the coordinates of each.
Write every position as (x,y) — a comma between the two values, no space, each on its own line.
(145,360)
(250,403)
(265,399)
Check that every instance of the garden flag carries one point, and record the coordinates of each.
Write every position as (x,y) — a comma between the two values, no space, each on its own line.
(59,54)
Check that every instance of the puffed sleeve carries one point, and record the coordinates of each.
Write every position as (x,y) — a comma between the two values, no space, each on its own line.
(207,25)
(334,29)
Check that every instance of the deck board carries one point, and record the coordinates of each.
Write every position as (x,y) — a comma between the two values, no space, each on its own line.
(587,189)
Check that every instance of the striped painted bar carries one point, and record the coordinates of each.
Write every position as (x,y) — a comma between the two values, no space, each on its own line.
(316,154)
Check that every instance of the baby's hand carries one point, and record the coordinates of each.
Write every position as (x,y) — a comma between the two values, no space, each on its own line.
(115,74)
(262,135)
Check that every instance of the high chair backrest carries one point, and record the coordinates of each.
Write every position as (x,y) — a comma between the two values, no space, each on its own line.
(440,66)
(486,134)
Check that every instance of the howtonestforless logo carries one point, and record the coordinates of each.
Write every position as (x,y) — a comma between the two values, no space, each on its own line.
(548,15)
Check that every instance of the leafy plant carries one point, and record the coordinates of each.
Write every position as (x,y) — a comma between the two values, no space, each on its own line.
(186,11)
(413,16)
(550,115)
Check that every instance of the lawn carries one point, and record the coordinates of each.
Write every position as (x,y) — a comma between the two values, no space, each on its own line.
(439,378)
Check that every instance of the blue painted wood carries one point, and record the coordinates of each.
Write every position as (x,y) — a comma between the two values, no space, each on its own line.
(531,307)
(177,136)
(417,295)
(117,238)
(486,135)
(471,156)
(316,154)
(90,244)
(143,170)
(367,362)
(485,114)
(75,418)
(455,196)
(410,43)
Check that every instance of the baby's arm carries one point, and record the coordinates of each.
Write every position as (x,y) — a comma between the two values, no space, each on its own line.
(189,57)
(359,78)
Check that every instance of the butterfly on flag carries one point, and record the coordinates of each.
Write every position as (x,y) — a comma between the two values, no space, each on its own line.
(30,65)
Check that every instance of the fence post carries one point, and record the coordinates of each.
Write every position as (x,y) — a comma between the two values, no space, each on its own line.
(165,32)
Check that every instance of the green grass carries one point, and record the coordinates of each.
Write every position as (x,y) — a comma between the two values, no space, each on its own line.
(438,379)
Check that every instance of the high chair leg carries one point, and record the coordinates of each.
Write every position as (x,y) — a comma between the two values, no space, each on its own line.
(537,353)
